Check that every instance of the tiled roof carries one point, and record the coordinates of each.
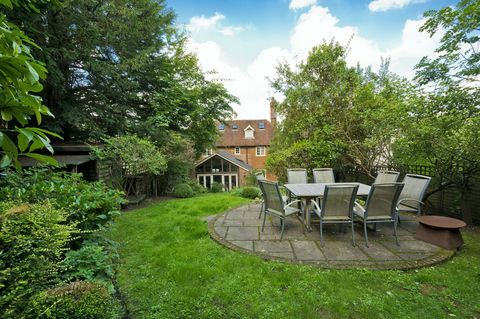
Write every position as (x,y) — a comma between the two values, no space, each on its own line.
(234,160)
(236,137)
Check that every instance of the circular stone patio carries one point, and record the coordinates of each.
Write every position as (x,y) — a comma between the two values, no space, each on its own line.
(240,230)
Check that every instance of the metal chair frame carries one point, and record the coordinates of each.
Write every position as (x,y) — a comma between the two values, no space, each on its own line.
(282,213)
(316,177)
(320,212)
(393,212)
(393,174)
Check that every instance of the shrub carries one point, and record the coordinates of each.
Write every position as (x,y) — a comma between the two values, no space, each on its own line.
(216,187)
(197,188)
(182,191)
(236,191)
(78,299)
(91,263)
(89,205)
(250,192)
(32,241)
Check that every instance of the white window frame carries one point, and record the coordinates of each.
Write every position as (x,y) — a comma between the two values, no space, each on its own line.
(237,148)
(249,133)
(260,151)
(208,152)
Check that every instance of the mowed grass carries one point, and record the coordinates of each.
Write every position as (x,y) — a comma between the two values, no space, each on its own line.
(170,268)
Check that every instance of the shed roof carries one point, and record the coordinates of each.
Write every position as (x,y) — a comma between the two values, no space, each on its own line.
(228,157)
(61,159)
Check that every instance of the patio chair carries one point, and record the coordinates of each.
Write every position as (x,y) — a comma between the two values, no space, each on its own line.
(323,175)
(337,207)
(274,204)
(297,176)
(381,207)
(386,177)
(415,186)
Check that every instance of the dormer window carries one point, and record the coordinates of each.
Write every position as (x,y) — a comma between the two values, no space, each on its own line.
(221,127)
(261,125)
(249,132)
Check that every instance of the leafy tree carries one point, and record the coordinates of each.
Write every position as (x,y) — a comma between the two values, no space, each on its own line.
(20,75)
(335,115)
(129,157)
(317,92)
(458,57)
(117,65)
(445,126)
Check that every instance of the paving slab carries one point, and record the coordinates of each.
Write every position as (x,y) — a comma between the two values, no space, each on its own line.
(232,222)
(411,246)
(245,244)
(221,230)
(378,252)
(255,222)
(340,250)
(285,255)
(252,215)
(272,246)
(242,233)
(236,215)
(240,229)
(307,250)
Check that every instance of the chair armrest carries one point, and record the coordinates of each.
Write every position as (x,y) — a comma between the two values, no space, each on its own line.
(408,200)
(359,206)
(294,202)
(316,208)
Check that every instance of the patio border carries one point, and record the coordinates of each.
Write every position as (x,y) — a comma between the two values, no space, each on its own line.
(441,256)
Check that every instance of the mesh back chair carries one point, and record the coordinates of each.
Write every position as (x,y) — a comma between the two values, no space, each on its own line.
(323,175)
(386,177)
(381,207)
(274,204)
(414,189)
(337,207)
(297,176)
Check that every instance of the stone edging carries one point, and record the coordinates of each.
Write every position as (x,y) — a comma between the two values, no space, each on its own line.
(441,256)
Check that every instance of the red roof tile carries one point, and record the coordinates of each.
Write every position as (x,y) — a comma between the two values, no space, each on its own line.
(230,137)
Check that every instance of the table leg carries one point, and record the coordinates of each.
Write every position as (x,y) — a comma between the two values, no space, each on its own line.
(308,205)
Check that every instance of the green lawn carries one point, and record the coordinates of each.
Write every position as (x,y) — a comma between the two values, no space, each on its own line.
(170,268)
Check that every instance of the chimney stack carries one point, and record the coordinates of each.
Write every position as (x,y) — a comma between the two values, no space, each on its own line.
(273,112)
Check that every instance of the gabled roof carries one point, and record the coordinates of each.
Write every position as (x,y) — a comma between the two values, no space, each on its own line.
(228,157)
(249,128)
(231,138)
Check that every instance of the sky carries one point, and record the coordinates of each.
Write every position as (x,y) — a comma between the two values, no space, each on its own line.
(244,40)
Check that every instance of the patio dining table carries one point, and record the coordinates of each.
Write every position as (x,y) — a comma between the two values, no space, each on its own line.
(310,191)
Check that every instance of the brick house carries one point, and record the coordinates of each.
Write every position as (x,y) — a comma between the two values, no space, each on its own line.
(241,147)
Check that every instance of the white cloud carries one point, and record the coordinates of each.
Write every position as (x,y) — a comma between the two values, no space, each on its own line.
(319,25)
(230,30)
(205,23)
(202,23)
(414,45)
(385,5)
(299,4)
(312,28)
(249,85)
